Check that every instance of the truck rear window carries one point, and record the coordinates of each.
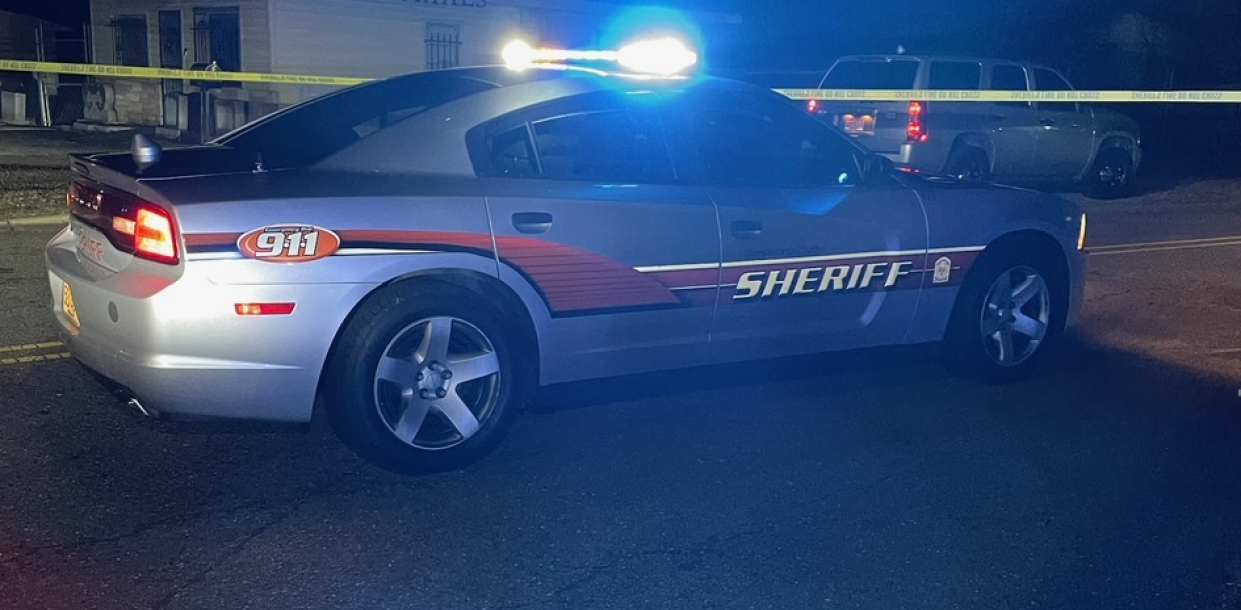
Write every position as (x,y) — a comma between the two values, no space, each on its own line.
(872,74)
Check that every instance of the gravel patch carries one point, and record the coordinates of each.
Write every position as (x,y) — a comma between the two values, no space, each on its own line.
(32,191)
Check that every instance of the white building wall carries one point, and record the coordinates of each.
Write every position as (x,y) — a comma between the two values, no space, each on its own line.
(377,38)
(351,38)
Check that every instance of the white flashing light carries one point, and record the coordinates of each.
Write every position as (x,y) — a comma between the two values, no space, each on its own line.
(660,56)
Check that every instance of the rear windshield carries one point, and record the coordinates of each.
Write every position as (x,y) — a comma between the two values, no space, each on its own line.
(309,132)
(800,79)
(872,74)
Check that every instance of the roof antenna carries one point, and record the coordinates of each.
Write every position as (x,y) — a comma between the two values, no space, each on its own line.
(145,152)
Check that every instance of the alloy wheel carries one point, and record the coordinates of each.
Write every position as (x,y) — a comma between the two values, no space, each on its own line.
(1015,316)
(437,382)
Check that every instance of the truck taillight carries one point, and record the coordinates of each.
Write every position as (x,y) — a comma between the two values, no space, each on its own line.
(812,106)
(915,130)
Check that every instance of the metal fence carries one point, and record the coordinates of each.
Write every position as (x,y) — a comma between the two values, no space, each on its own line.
(443,46)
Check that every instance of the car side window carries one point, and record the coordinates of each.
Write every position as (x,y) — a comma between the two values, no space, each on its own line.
(1007,77)
(625,146)
(1046,80)
(613,145)
(510,154)
(955,75)
(746,142)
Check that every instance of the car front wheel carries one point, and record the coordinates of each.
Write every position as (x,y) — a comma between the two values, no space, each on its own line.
(1008,316)
(422,379)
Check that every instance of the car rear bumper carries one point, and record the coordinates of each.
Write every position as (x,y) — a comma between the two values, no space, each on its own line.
(178,346)
(185,390)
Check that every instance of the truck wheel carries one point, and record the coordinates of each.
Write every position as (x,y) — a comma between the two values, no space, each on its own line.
(1008,316)
(968,164)
(423,379)
(1111,176)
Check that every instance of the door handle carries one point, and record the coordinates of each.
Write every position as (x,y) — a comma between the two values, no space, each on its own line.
(532,222)
(1047,121)
(746,229)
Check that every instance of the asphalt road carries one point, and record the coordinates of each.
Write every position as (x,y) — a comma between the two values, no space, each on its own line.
(874,482)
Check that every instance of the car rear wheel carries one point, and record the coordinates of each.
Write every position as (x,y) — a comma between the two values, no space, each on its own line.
(1008,317)
(1111,176)
(422,379)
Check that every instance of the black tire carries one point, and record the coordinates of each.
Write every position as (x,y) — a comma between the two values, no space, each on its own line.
(367,409)
(1111,176)
(972,351)
(968,164)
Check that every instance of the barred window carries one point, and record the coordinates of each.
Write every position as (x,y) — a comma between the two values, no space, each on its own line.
(217,37)
(170,39)
(443,46)
(130,32)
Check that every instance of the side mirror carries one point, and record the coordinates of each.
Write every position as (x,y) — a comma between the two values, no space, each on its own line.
(145,152)
(876,168)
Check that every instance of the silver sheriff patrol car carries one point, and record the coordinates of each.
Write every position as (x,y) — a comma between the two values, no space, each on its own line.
(416,253)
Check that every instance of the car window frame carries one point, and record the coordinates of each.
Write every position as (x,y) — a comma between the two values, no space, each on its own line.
(687,151)
(477,138)
(930,73)
(991,82)
(1054,106)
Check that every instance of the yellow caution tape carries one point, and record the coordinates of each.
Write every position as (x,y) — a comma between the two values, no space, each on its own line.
(870,95)
(48,67)
(877,95)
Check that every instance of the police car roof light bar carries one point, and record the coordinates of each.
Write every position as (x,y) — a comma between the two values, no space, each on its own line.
(660,56)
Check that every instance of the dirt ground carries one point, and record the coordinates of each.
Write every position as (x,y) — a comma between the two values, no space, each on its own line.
(34,166)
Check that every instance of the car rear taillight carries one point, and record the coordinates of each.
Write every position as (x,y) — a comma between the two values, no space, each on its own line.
(132,224)
(915,130)
(153,234)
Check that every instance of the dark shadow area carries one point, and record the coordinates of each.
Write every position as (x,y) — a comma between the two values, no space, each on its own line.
(88,491)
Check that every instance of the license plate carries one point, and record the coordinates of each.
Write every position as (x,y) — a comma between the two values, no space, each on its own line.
(67,303)
(859,123)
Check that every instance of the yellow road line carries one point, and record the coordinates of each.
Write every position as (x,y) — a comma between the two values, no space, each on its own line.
(25,347)
(1171,242)
(1164,247)
(36,358)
